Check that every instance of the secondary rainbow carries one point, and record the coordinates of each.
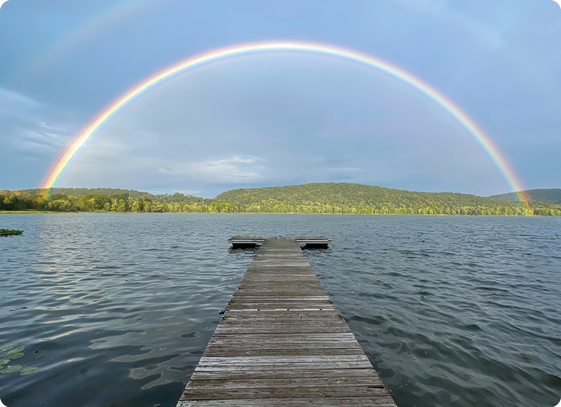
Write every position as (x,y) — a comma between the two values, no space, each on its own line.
(460,116)
(83,33)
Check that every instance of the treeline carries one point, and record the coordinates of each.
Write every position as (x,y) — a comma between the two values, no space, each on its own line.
(163,198)
(346,198)
(39,200)
(552,196)
(322,198)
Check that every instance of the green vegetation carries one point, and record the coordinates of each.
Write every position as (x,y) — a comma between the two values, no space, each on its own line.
(177,197)
(365,199)
(104,200)
(11,353)
(28,371)
(9,232)
(551,196)
(11,369)
(328,198)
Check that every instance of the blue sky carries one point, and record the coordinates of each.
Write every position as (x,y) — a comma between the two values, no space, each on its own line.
(283,118)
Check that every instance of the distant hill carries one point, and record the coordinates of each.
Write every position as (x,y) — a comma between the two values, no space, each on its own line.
(97,191)
(327,198)
(356,198)
(535,195)
(167,198)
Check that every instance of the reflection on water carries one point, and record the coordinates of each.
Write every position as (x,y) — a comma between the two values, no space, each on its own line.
(115,310)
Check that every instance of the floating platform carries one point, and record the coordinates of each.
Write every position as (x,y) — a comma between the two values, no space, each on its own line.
(247,242)
(281,342)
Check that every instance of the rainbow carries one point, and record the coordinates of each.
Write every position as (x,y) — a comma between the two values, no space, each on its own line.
(484,141)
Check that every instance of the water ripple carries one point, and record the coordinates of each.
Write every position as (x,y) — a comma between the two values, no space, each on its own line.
(116,310)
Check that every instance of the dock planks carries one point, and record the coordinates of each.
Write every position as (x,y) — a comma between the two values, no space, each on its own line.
(283,343)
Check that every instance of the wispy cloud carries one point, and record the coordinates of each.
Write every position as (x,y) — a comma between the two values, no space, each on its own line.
(15,103)
(111,160)
(231,169)
(32,127)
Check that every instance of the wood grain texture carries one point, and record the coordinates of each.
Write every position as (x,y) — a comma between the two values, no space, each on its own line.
(281,342)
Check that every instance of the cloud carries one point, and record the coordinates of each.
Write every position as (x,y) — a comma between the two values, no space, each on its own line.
(232,169)
(114,161)
(13,102)
(32,127)
(32,137)
(223,170)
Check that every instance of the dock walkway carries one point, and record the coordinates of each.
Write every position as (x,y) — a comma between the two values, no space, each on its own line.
(283,343)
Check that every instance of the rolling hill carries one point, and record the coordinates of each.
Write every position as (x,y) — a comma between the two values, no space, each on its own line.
(163,198)
(535,195)
(326,198)
(357,198)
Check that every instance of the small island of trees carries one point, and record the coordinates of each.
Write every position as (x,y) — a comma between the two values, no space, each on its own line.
(10,232)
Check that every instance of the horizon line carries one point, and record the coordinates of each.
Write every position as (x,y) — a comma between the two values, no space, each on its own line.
(53,189)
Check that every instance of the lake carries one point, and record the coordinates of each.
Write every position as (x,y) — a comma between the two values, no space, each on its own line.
(103,309)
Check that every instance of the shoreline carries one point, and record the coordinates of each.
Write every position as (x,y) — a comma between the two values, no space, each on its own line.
(281,213)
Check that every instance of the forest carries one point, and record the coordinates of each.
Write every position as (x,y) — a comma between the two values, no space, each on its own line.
(536,195)
(320,198)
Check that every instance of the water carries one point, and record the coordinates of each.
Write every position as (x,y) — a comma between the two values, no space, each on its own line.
(116,309)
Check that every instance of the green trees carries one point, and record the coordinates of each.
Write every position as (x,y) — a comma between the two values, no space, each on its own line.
(319,198)
(10,232)
(21,201)
(61,205)
(552,196)
(345,198)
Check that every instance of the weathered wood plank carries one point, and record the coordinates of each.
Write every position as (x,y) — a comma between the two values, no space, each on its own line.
(297,297)
(367,373)
(283,366)
(230,322)
(280,359)
(223,330)
(213,393)
(286,338)
(281,342)
(293,305)
(333,402)
(240,351)
(286,383)
(285,315)
(327,402)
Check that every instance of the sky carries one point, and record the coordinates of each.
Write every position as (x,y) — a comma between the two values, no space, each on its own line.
(280,118)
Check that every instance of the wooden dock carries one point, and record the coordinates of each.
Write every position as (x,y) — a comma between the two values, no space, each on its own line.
(241,242)
(281,342)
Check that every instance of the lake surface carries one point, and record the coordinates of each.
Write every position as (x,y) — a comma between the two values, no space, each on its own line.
(116,309)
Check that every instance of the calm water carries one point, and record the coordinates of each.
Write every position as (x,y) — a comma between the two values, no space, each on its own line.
(115,310)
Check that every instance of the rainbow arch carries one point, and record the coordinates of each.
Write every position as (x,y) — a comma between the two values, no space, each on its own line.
(86,31)
(484,141)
